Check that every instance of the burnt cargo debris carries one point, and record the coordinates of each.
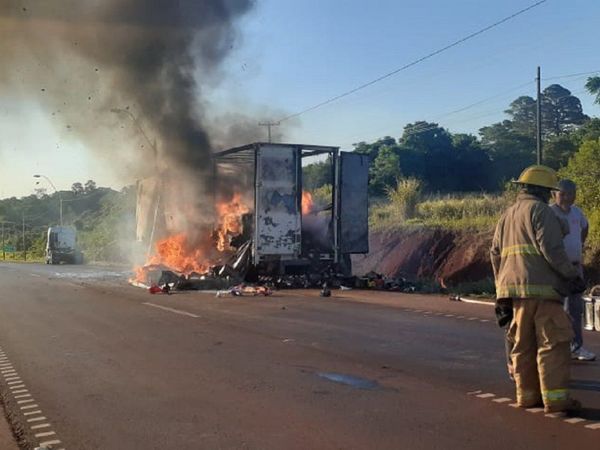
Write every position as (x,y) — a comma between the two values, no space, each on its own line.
(281,228)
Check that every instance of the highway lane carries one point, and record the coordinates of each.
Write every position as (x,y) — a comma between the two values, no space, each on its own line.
(110,366)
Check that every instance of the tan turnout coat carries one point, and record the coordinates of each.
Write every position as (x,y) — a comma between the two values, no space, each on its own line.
(528,255)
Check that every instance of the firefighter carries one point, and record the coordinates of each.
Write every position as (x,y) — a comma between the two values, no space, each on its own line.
(532,270)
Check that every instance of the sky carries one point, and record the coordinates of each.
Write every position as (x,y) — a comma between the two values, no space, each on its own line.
(291,55)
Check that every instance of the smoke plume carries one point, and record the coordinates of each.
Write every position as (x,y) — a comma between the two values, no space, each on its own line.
(146,61)
(127,78)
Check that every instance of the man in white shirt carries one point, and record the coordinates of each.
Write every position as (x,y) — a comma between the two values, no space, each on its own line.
(578,230)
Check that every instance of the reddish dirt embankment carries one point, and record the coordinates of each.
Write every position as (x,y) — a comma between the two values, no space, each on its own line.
(452,256)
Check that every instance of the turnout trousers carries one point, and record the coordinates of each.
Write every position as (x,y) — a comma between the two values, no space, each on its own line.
(541,333)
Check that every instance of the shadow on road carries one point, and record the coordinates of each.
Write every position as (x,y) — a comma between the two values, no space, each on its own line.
(585,385)
(589,414)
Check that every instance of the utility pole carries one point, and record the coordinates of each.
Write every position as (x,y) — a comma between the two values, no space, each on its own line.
(60,201)
(3,248)
(539,117)
(268,124)
(24,250)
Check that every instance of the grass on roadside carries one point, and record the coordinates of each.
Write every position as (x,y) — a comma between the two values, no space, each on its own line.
(405,207)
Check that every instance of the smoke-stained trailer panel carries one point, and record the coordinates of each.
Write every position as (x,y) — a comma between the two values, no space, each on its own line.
(278,211)
(353,203)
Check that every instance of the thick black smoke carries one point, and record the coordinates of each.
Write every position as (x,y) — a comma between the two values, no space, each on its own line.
(148,59)
(127,79)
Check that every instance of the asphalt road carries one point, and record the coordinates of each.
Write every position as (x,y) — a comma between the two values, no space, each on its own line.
(109,366)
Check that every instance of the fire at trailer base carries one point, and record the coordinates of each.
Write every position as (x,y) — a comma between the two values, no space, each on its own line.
(265,224)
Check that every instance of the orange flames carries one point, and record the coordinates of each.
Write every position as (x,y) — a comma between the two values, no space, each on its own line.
(174,252)
(179,254)
(230,220)
(307,203)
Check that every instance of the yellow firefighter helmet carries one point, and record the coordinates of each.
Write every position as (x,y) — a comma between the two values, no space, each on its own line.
(542,176)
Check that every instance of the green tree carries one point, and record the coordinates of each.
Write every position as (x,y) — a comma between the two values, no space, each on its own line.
(77,188)
(523,115)
(561,111)
(509,150)
(589,131)
(384,170)
(593,87)
(558,149)
(372,150)
(90,186)
(584,169)
(473,166)
(425,136)
(316,175)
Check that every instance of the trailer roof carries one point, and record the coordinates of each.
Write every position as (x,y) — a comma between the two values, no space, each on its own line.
(315,149)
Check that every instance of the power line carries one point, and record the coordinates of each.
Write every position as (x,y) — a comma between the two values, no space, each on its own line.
(572,75)
(415,62)
(477,103)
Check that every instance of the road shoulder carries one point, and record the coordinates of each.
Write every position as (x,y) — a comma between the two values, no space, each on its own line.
(7,440)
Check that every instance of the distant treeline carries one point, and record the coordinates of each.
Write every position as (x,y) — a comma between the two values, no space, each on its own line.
(445,162)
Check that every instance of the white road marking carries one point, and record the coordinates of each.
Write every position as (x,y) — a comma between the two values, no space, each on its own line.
(20,391)
(36,419)
(5,371)
(14,378)
(45,433)
(474,392)
(10,383)
(484,320)
(534,410)
(17,387)
(502,400)
(472,318)
(35,275)
(555,415)
(30,406)
(488,395)
(449,315)
(22,402)
(514,405)
(47,443)
(593,426)
(6,366)
(23,396)
(42,425)
(476,302)
(575,420)
(173,310)
(31,413)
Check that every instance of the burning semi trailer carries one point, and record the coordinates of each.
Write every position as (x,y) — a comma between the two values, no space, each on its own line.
(262,227)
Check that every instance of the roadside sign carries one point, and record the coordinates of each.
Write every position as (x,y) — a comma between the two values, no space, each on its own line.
(9,249)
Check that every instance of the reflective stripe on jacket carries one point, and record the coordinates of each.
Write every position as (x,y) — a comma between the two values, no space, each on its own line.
(528,255)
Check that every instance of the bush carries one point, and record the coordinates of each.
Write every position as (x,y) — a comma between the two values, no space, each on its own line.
(584,169)
(404,198)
